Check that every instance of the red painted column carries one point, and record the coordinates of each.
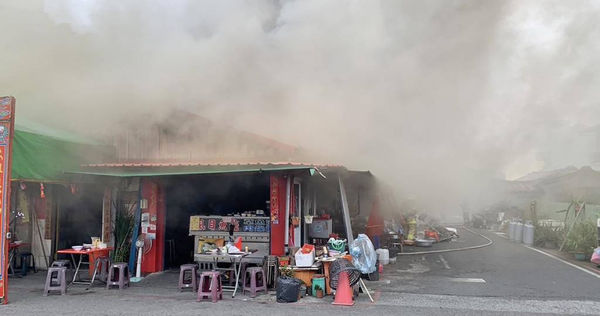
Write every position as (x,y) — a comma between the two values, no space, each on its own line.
(151,191)
(277,192)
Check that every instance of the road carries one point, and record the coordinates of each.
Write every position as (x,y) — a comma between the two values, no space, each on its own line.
(504,278)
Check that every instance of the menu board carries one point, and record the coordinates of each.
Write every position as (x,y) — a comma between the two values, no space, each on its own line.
(255,225)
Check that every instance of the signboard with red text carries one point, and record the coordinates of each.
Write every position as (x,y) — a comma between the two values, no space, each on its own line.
(7,110)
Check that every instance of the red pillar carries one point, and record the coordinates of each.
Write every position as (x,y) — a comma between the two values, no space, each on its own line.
(153,192)
(277,189)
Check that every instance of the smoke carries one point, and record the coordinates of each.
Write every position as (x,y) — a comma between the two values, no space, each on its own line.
(435,97)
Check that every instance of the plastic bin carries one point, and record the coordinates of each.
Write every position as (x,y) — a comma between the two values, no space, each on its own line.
(318,279)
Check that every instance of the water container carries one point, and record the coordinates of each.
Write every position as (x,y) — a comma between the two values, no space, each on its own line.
(528,233)
(519,232)
(511,230)
(383,255)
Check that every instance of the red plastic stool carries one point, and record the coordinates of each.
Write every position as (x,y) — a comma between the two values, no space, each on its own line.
(210,286)
(252,286)
(192,282)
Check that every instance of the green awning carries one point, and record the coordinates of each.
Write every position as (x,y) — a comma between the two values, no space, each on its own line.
(44,158)
(173,170)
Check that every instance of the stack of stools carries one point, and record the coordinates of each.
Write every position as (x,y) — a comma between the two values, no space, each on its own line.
(187,277)
(251,279)
(27,261)
(101,269)
(56,280)
(272,270)
(210,286)
(118,275)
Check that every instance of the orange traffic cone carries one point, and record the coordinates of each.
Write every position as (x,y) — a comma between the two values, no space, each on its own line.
(343,293)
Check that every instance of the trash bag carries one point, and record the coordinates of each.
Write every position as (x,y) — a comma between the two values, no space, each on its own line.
(363,254)
(287,289)
(596,256)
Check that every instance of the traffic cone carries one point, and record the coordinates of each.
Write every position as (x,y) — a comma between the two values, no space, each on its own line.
(343,293)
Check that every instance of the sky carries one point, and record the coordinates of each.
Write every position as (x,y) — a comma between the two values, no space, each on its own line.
(434,97)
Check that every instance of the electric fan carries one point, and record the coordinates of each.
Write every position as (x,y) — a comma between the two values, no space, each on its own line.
(143,245)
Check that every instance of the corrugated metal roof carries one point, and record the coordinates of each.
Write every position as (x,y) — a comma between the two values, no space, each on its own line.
(194,164)
(148,169)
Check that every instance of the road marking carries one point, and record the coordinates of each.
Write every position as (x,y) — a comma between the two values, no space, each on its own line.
(415,268)
(445,262)
(564,261)
(468,280)
(503,235)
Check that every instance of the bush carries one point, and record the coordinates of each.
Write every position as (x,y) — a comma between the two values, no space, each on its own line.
(123,230)
(582,238)
(545,235)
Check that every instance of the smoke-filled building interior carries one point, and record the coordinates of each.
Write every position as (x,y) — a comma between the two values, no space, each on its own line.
(211,197)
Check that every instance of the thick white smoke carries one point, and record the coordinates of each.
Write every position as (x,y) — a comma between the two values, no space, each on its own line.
(433,96)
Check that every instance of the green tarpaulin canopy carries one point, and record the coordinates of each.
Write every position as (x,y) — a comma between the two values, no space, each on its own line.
(43,157)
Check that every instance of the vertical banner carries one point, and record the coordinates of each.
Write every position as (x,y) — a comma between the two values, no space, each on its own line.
(274,188)
(107,215)
(277,189)
(7,110)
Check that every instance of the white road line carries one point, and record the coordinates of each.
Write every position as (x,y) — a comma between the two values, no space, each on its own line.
(564,261)
(468,280)
(444,262)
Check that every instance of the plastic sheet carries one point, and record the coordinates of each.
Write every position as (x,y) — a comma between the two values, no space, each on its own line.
(288,289)
(596,256)
(363,254)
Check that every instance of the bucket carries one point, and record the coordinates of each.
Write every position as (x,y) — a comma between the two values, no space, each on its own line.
(318,279)
(383,255)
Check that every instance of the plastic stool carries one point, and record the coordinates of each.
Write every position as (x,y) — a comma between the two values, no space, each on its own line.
(101,269)
(210,286)
(30,263)
(193,283)
(52,280)
(253,286)
(60,263)
(121,274)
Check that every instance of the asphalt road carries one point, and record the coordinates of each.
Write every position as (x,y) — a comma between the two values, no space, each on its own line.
(509,270)
(501,279)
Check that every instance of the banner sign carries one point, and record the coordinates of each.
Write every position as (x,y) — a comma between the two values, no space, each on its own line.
(7,110)
(274,200)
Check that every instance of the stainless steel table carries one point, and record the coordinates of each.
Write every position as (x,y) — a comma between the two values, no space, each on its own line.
(234,258)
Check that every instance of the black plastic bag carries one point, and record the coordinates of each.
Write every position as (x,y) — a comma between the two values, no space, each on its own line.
(288,289)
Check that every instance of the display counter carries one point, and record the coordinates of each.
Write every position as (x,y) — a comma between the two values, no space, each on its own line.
(254,232)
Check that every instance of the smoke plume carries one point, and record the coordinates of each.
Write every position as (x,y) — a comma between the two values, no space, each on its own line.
(435,97)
